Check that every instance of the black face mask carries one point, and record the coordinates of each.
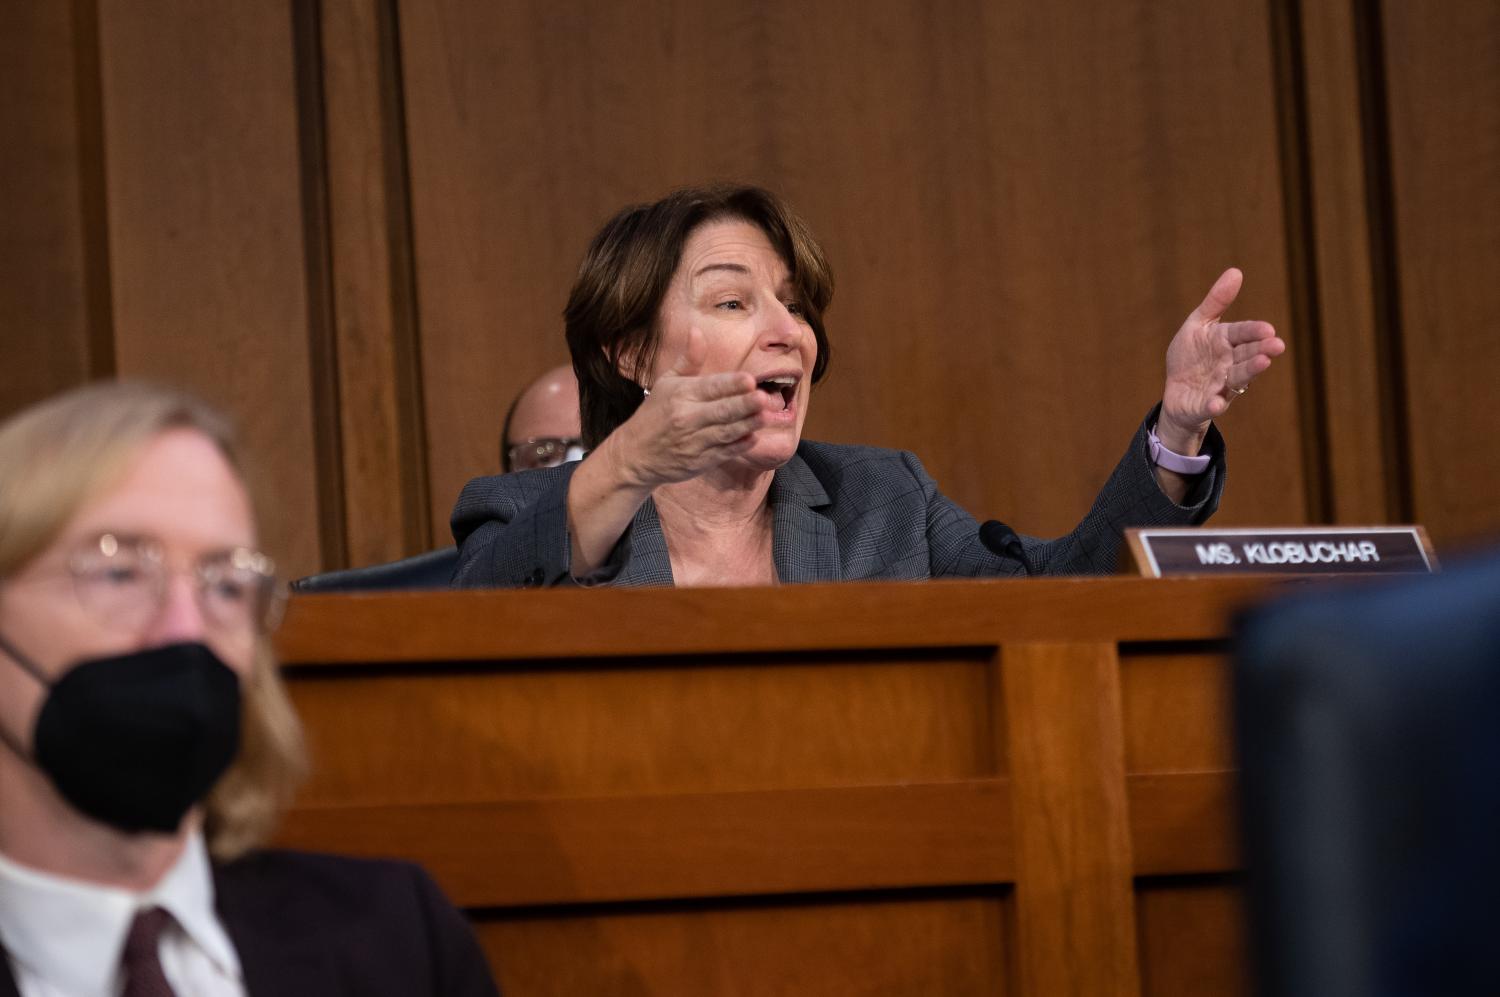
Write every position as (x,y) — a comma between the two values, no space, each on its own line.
(135,740)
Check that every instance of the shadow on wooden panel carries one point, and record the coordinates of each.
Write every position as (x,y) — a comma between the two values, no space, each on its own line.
(1191,933)
(585,730)
(530,853)
(954,946)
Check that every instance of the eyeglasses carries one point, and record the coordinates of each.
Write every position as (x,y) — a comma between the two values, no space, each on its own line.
(545,451)
(122,582)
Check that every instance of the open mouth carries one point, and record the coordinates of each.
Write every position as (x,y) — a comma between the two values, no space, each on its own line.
(783,388)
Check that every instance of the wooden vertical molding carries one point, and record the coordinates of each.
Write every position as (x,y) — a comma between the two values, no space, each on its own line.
(92,198)
(1075,909)
(54,302)
(322,349)
(1305,313)
(378,379)
(1360,439)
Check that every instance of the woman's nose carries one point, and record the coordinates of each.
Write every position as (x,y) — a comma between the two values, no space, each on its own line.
(783,329)
(180,616)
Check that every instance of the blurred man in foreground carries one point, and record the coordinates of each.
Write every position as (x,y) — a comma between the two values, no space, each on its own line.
(1370,785)
(147,745)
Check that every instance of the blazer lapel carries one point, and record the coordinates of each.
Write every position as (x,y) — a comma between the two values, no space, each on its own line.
(647,561)
(278,956)
(804,543)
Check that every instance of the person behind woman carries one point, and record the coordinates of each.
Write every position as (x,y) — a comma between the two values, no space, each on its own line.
(696,330)
(147,744)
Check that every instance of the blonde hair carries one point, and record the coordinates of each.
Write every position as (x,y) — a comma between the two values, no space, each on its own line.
(57,456)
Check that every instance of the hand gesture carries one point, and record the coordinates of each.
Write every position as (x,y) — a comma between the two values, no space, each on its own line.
(691,422)
(1211,362)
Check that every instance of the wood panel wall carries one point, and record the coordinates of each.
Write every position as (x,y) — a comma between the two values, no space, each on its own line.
(51,336)
(1442,195)
(353,222)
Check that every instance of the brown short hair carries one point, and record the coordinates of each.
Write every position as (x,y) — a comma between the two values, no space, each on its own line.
(58,455)
(613,308)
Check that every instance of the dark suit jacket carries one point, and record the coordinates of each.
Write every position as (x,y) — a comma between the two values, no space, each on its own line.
(321,926)
(840,513)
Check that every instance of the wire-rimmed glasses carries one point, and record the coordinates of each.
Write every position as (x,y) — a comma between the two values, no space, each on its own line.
(545,451)
(121,580)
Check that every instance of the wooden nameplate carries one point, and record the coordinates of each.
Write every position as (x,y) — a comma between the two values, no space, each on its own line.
(1282,550)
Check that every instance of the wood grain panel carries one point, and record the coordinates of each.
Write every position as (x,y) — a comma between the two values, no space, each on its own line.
(1183,823)
(605,729)
(1075,921)
(950,946)
(1176,709)
(1361,457)
(382,446)
(1443,93)
(46,147)
(1192,937)
(519,624)
(206,233)
(1021,202)
(571,850)
(693,845)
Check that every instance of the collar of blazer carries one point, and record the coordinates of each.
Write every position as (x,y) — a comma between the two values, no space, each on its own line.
(278,954)
(804,543)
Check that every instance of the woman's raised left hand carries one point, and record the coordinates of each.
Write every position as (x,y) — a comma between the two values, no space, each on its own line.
(1210,364)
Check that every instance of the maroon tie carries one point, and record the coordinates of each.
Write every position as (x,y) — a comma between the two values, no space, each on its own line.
(143,975)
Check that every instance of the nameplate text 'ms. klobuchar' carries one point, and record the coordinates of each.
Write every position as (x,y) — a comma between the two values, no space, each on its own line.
(1297,550)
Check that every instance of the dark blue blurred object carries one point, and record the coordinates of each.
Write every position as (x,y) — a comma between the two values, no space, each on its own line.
(432,570)
(1368,726)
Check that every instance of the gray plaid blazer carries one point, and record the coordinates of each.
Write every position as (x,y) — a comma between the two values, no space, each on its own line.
(839,513)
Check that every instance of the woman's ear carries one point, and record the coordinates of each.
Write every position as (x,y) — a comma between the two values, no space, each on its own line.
(625,360)
(634,358)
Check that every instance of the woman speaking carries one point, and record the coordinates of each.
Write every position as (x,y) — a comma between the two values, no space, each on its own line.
(696,331)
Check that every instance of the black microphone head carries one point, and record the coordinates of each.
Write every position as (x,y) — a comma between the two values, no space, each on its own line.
(1000,538)
(1004,541)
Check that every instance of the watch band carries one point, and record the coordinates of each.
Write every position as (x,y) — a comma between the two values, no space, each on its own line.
(1162,457)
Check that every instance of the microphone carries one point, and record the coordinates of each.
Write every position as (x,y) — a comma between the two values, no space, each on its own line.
(1002,540)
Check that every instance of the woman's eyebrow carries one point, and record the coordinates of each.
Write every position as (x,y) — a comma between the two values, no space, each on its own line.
(731,267)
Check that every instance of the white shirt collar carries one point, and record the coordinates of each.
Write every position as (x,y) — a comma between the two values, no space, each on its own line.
(72,933)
